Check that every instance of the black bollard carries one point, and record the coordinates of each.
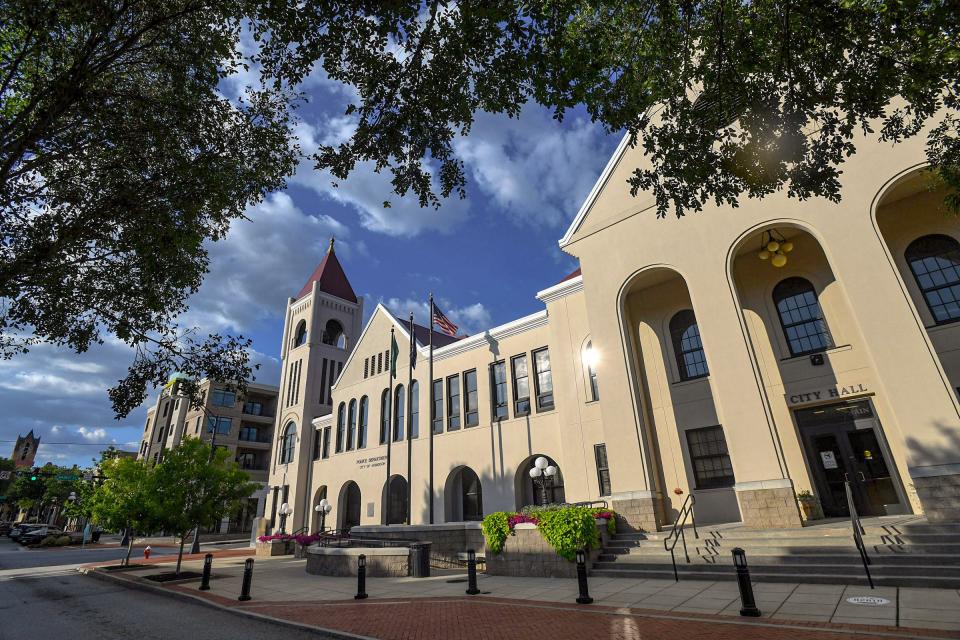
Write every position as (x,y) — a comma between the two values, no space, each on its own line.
(207,565)
(361,578)
(584,597)
(247,579)
(748,604)
(472,573)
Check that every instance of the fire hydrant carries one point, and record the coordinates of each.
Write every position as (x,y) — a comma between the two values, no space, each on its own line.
(146,553)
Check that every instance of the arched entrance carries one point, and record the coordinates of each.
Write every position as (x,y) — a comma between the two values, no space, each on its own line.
(396,513)
(317,497)
(528,491)
(463,496)
(348,506)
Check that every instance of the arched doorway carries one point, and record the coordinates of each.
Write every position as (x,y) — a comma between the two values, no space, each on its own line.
(528,491)
(463,496)
(396,513)
(348,506)
(318,496)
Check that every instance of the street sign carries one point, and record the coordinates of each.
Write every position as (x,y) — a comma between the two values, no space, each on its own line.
(67,477)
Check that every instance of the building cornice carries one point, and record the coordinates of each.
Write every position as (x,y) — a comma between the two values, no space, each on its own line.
(515,327)
(560,290)
(323,421)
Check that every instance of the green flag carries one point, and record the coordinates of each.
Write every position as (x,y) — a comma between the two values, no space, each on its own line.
(394,354)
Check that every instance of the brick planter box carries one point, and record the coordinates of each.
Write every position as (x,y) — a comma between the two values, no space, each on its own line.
(275,548)
(527,554)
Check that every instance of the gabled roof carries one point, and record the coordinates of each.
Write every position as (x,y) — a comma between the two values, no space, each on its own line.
(570,276)
(597,188)
(422,334)
(330,278)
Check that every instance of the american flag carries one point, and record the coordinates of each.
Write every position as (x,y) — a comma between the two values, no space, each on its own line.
(443,322)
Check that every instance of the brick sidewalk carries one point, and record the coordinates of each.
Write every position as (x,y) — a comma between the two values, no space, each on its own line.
(491,618)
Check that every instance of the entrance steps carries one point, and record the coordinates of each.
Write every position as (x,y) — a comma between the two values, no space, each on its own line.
(904,551)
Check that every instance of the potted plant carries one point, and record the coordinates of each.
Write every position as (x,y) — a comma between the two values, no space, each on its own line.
(808,504)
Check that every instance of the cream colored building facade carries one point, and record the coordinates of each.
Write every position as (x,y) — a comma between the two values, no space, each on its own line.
(677,363)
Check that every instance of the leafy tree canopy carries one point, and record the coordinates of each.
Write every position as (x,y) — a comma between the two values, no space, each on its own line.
(120,156)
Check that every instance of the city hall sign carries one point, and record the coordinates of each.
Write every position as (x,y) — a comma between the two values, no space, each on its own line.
(827,393)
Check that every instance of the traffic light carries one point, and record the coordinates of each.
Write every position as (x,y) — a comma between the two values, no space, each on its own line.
(35,474)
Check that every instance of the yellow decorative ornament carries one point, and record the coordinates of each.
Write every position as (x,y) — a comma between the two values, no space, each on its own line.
(764,254)
(786,247)
(779,260)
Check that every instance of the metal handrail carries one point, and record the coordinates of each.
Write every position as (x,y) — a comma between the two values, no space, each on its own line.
(686,510)
(858,532)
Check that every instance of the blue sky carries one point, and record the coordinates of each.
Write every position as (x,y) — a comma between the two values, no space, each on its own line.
(484,258)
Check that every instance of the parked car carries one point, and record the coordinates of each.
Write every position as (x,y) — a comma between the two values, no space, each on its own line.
(22,528)
(5,528)
(36,535)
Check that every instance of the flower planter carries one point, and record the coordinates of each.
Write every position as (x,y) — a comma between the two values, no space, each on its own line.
(272,548)
(527,554)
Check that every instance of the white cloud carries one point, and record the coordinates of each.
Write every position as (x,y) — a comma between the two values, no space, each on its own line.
(93,435)
(471,319)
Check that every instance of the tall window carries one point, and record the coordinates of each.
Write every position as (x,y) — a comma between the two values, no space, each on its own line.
(544,379)
(521,385)
(935,262)
(317,440)
(603,468)
(687,347)
(351,424)
(222,425)
(249,434)
(415,409)
(326,442)
(498,386)
(341,422)
(364,416)
(398,413)
(800,315)
(289,443)
(708,454)
(384,415)
(438,406)
(470,400)
(453,403)
(590,362)
(223,398)
(300,336)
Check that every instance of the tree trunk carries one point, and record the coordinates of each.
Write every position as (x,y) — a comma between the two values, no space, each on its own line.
(126,561)
(180,556)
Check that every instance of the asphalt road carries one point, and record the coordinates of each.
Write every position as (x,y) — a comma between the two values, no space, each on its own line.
(43,596)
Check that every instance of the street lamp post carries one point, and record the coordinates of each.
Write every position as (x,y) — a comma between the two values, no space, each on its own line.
(541,473)
(323,509)
(285,510)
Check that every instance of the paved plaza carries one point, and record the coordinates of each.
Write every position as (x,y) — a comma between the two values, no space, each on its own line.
(438,607)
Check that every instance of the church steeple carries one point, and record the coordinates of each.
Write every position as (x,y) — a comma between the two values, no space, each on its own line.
(331,278)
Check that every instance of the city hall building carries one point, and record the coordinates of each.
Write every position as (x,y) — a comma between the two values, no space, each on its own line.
(741,355)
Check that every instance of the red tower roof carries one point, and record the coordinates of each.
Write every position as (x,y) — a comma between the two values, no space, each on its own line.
(330,278)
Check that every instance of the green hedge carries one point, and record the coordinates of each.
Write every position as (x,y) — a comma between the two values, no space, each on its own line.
(567,528)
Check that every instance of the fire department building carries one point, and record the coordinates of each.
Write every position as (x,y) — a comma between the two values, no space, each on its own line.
(744,356)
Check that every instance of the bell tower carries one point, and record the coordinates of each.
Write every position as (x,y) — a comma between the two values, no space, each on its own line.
(321,326)
(25,451)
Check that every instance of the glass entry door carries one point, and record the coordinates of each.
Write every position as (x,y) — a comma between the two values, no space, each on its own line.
(843,443)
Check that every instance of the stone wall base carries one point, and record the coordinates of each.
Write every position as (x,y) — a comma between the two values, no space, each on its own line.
(637,511)
(940,497)
(527,554)
(380,564)
(768,508)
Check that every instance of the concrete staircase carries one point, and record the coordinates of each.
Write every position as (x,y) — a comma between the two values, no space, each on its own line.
(904,551)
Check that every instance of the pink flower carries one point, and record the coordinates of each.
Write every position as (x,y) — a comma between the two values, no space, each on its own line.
(520,518)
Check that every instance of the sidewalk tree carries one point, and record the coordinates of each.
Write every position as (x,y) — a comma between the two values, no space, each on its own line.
(125,499)
(197,488)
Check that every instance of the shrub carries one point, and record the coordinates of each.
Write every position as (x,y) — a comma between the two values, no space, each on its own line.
(496,527)
(49,541)
(63,541)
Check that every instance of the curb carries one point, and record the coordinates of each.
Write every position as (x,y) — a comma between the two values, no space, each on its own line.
(179,595)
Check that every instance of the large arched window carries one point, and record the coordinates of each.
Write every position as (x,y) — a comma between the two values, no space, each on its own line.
(351,424)
(289,443)
(341,411)
(687,347)
(384,416)
(398,413)
(935,262)
(332,333)
(414,409)
(801,317)
(364,416)
(300,335)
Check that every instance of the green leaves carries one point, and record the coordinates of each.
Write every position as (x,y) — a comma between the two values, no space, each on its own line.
(496,528)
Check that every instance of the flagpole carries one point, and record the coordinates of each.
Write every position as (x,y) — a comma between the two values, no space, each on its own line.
(389,434)
(413,346)
(432,405)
